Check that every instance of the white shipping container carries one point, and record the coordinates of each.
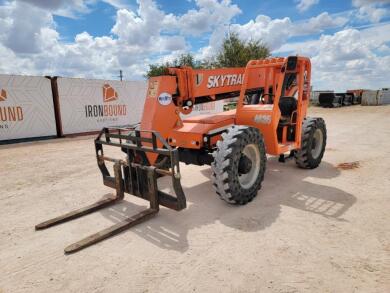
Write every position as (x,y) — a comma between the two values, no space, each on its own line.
(88,105)
(26,107)
(384,97)
(370,98)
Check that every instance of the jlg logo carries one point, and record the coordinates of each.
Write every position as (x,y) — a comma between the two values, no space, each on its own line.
(9,113)
(224,80)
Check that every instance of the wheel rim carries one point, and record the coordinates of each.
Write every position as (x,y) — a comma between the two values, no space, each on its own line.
(318,141)
(252,152)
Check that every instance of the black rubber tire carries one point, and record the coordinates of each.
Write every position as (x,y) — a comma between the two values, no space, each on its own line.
(225,175)
(304,157)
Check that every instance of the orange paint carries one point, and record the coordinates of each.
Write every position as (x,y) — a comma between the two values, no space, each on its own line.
(169,95)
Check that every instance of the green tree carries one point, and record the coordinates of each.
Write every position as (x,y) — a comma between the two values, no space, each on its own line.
(183,60)
(186,60)
(236,53)
(233,53)
(157,70)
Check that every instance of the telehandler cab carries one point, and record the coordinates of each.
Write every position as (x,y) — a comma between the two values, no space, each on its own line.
(270,118)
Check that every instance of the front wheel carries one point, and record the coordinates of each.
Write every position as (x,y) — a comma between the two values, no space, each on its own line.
(313,142)
(239,164)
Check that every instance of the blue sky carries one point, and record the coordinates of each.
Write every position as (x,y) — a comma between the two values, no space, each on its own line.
(101,18)
(348,41)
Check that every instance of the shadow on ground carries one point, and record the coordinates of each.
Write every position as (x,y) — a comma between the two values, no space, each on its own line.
(284,185)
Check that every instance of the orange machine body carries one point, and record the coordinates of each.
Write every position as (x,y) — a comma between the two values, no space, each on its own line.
(171,97)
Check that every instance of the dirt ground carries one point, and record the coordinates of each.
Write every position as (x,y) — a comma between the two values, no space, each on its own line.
(323,230)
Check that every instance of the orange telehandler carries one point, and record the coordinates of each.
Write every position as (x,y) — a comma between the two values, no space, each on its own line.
(270,118)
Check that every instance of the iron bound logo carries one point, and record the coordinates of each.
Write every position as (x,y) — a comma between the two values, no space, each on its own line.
(3,95)
(109,94)
(9,113)
(108,111)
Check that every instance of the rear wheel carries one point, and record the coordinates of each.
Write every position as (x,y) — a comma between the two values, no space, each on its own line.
(313,143)
(239,164)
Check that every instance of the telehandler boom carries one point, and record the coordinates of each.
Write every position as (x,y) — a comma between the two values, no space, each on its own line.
(270,118)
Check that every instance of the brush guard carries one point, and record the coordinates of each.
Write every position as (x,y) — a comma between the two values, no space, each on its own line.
(139,179)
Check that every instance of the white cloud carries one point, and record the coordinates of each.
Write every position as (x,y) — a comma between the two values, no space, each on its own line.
(210,14)
(79,5)
(67,8)
(304,5)
(318,24)
(141,28)
(371,9)
(274,32)
(358,3)
(172,43)
(384,49)
(22,26)
(29,43)
(215,41)
(74,8)
(144,34)
(348,58)
(146,27)
(118,3)
(374,14)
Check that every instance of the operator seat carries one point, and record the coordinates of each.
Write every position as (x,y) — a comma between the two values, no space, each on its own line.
(287,106)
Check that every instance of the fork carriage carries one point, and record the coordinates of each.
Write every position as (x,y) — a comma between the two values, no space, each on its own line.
(130,177)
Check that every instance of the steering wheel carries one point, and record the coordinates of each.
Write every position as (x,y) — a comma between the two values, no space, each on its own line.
(267,94)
